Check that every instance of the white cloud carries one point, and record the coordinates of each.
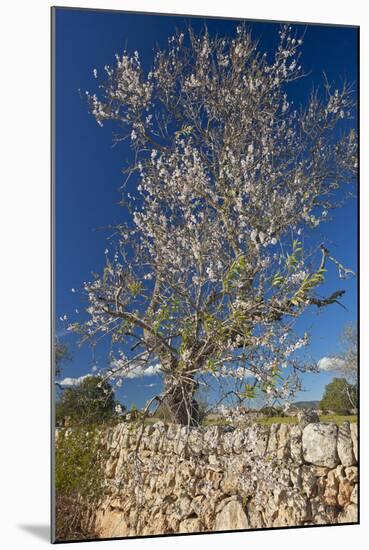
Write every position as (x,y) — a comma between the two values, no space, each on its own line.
(73,381)
(139,370)
(150,385)
(330,363)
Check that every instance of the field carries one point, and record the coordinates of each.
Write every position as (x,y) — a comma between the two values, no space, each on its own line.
(268,420)
(337,419)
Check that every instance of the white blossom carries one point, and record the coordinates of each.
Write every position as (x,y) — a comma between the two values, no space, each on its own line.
(225,169)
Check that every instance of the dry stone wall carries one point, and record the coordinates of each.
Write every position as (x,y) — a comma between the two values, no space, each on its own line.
(168,479)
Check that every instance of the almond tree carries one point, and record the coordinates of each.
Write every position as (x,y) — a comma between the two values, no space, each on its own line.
(212,269)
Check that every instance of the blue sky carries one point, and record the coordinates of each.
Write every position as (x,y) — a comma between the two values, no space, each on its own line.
(89,170)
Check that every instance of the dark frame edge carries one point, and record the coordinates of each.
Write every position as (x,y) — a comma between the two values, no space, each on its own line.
(204,16)
(52,274)
(358,277)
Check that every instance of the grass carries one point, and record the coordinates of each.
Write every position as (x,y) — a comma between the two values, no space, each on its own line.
(337,419)
(269,420)
(264,420)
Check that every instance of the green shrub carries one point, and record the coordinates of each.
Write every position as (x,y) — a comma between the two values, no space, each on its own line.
(75,520)
(272,411)
(91,402)
(79,481)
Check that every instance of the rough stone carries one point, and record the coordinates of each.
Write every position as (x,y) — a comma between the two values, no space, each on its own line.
(190,525)
(353,429)
(320,471)
(309,482)
(230,484)
(256,440)
(296,477)
(112,524)
(344,445)
(225,479)
(238,441)
(231,517)
(344,492)
(223,503)
(354,495)
(256,519)
(110,468)
(296,443)
(331,489)
(283,449)
(352,474)
(348,514)
(340,472)
(307,416)
(273,440)
(319,444)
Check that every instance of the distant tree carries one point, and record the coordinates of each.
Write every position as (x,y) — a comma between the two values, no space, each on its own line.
(91,402)
(61,354)
(346,362)
(210,269)
(349,361)
(339,396)
(272,411)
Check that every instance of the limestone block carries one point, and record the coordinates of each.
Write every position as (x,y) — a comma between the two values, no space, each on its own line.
(349,514)
(353,429)
(319,444)
(331,489)
(256,440)
(352,473)
(230,484)
(112,524)
(231,517)
(238,438)
(190,525)
(273,440)
(283,449)
(354,495)
(309,481)
(344,492)
(344,445)
(195,445)
(296,443)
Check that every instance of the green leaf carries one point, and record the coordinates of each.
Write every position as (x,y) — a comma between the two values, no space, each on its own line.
(250,391)
(211,366)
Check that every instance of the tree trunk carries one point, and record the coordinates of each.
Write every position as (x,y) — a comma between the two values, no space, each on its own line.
(182,407)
